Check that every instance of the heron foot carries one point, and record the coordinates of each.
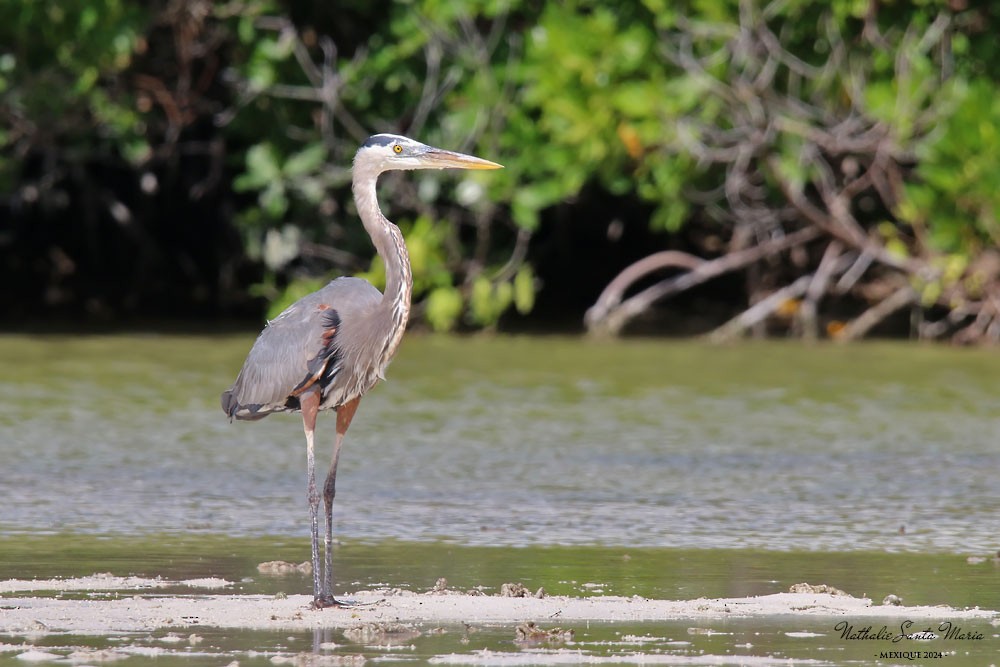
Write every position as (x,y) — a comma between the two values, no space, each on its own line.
(324,601)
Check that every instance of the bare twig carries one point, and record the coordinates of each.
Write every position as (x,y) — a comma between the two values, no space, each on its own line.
(517,257)
(861,325)
(766,307)
(760,311)
(610,313)
(817,288)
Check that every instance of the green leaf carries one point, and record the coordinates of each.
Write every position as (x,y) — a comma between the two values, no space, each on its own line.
(311,189)
(274,200)
(637,99)
(896,248)
(262,168)
(442,308)
(488,301)
(524,216)
(261,73)
(137,152)
(305,161)
(524,290)
(275,49)
(930,293)
(88,19)
(246,30)
(88,77)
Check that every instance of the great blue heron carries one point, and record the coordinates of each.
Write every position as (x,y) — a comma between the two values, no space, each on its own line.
(327,349)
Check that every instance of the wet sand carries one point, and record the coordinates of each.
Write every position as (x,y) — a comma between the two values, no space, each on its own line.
(102,604)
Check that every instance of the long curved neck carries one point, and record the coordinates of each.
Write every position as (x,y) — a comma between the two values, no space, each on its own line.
(389,244)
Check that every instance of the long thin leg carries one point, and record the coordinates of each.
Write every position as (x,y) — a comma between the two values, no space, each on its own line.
(345,414)
(309,403)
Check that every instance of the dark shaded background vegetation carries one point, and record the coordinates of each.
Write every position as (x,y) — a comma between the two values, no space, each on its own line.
(818,169)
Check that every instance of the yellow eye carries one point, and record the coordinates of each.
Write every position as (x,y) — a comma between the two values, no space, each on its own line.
(397,149)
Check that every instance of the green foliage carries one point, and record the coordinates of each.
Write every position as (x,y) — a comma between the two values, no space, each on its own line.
(524,289)
(590,117)
(426,241)
(568,95)
(433,282)
(72,44)
(956,196)
(276,178)
(588,93)
(59,68)
(443,308)
(489,301)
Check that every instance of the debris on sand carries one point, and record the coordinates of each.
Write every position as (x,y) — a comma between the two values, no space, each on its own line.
(394,592)
(315,660)
(893,600)
(381,633)
(519,590)
(91,656)
(441,588)
(280,568)
(529,633)
(183,614)
(820,588)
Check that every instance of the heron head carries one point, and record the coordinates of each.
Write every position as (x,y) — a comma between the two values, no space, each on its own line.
(392,151)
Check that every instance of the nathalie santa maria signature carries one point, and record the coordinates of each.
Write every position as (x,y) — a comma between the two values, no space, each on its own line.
(945,630)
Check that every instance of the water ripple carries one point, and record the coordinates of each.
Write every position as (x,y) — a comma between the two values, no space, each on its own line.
(587,446)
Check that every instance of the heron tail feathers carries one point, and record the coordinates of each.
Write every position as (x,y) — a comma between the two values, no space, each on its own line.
(234,410)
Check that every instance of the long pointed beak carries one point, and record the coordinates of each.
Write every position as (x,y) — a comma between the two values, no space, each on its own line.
(437,158)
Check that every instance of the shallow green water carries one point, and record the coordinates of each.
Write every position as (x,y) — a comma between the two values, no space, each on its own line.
(517,441)
(920,579)
(734,642)
(659,469)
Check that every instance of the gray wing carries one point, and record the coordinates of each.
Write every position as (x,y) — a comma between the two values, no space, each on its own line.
(296,350)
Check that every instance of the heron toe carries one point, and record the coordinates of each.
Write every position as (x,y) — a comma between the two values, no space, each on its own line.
(325,601)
